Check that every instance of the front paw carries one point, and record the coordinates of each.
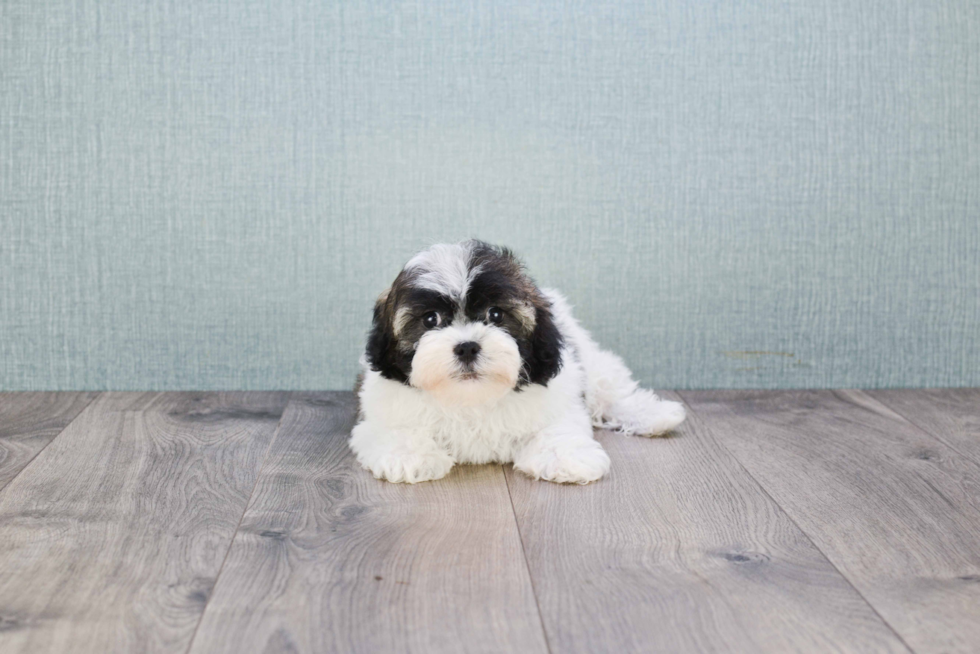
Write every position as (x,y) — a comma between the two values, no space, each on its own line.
(408,467)
(398,457)
(568,464)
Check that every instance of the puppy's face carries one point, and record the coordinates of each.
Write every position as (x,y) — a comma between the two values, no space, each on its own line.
(465,324)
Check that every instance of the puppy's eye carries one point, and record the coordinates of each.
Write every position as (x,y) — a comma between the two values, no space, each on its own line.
(431,319)
(495,315)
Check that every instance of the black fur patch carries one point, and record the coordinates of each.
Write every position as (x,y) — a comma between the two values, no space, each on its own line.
(542,359)
(381,351)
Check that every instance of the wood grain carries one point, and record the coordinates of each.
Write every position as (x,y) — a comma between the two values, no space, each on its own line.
(679,550)
(896,510)
(952,415)
(29,421)
(329,559)
(113,537)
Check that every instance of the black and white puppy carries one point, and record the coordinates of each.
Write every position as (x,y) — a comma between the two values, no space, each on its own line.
(469,362)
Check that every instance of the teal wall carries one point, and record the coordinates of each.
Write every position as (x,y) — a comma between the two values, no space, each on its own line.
(200,194)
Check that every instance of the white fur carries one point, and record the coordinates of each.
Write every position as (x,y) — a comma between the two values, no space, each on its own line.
(446,268)
(418,432)
(436,370)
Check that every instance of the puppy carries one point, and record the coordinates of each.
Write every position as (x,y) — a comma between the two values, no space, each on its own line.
(469,362)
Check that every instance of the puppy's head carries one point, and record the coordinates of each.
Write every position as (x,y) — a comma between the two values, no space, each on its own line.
(466,324)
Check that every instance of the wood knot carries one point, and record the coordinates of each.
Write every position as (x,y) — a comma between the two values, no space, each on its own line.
(742,557)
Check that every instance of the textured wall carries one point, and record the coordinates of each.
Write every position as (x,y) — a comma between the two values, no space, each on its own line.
(199,194)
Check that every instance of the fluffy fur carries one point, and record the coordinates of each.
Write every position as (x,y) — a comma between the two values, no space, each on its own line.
(531,394)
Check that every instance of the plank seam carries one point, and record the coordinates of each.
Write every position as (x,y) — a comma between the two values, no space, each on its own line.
(790,517)
(527,564)
(925,431)
(57,436)
(231,542)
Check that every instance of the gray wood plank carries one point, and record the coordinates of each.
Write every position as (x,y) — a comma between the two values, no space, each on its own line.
(29,421)
(679,550)
(111,540)
(897,511)
(329,559)
(952,415)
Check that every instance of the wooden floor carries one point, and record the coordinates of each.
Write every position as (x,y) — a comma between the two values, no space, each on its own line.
(788,521)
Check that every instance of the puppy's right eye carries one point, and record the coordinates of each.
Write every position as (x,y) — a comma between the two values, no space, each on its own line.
(431,319)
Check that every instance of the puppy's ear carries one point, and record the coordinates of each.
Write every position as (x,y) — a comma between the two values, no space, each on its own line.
(542,361)
(381,353)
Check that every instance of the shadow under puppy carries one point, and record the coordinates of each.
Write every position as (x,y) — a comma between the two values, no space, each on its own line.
(469,362)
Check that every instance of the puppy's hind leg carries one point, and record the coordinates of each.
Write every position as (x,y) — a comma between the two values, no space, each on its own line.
(613,398)
(617,402)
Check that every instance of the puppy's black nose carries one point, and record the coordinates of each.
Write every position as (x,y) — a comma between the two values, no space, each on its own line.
(466,352)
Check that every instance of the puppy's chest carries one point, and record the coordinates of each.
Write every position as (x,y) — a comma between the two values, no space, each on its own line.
(484,438)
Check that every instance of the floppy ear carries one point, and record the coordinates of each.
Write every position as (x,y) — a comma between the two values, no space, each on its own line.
(542,361)
(381,353)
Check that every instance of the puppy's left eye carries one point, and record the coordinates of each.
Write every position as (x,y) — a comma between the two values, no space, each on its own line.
(495,315)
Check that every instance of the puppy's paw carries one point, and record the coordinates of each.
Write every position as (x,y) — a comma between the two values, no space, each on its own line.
(580,463)
(644,414)
(662,417)
(408,467)
(398,457)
